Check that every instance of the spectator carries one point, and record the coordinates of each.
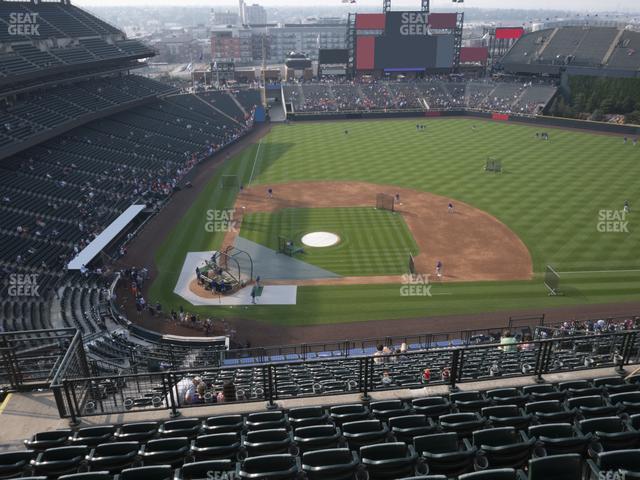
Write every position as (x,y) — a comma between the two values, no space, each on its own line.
(229,391)
(386,378)
(378,357)
(527,345)
(190,395)
(508,342)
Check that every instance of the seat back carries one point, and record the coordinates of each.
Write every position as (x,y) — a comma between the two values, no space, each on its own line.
(269,464)
(327,457)
(602,424)
(408,421)
(316,431)
(556,467)
(158,472)
(544,406)
(87,476)
(64,453)
(623,459)
(501,411)
(267,435)
(587,401)
(198,470)
(163,444)
(306,413)
(495,437)
(384,451)
(492,474)
(552,430)
(112,449)
(436,443)
(361,426)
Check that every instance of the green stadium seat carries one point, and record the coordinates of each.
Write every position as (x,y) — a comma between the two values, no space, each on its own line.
(389,460)
(330,464)
(559,467)
(216,446)
(113,457)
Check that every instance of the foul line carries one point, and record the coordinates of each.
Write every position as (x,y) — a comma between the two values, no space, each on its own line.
(255,160)
(4,404)
(599,271)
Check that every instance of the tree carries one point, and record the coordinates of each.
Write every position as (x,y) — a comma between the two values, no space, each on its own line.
(628,105)
(608,105)
(633,117)
(597,115)
(579,102)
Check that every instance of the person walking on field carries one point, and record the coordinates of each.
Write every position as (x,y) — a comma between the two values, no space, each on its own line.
(439,269)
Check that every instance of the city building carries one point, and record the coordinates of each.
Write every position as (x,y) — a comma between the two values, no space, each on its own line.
(232,44)
(224,18)
(254,14)
(245,45)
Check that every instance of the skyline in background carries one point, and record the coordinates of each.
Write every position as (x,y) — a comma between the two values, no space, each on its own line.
(576,5)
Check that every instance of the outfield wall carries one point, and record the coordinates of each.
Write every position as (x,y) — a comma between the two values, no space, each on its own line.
(530,119)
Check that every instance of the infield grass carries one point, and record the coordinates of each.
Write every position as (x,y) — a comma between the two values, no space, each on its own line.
(551,194)
(372,242)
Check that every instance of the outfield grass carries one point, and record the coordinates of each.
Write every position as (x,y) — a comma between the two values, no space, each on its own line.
(358,253)
(550,194)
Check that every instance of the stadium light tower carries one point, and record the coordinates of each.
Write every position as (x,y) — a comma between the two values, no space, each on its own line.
(424,5)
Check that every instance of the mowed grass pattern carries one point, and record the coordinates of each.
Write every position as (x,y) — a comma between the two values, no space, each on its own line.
(372,242)
(550,193)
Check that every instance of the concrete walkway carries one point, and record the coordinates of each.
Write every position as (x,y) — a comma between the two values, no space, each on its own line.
(24,414)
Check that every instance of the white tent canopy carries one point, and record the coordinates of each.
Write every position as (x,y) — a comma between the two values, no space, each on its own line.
(108,234)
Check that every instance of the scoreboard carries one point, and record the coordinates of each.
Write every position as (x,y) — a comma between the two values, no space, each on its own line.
(405,41)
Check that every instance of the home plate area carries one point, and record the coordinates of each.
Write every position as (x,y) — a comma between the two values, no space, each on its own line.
(187,287)
(263,262)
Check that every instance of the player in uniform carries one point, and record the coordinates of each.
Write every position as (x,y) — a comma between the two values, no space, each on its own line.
(439,269)
(450,207)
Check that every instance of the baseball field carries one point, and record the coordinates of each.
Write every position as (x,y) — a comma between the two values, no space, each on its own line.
(557,202)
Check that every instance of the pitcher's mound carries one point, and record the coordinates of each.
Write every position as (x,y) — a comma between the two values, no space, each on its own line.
(320,239)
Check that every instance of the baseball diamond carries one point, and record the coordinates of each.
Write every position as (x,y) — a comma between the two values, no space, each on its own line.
(532,201)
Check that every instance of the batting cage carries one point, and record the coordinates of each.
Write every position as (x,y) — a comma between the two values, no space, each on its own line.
(226,271)
(493,165)
(229,181)
(385,202)
(552,280)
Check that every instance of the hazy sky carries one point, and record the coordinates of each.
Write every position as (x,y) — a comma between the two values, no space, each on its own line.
(580,5)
